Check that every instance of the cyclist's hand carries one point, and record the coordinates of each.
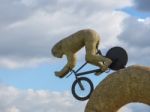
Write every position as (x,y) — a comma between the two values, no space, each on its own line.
(58,74)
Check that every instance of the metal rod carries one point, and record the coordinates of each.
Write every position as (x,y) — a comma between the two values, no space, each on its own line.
(88,72)
(81,67)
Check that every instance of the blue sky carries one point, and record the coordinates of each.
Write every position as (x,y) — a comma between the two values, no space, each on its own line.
(29,29)
(136,13)
(42,77)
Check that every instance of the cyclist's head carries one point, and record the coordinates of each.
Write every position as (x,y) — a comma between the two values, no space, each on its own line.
(57,50)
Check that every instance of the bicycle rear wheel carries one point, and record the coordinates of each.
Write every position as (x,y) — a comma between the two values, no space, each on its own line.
(82,88)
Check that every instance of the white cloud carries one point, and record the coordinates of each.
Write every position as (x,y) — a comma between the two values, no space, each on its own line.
(15,100)
(135,37)
(29,3)
(36,26)
(13,109)
(19,63)
(142,5)
(135,107)
(125,109)
(42,23)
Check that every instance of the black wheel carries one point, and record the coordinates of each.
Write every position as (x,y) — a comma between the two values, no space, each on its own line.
(82,88)
(118,56)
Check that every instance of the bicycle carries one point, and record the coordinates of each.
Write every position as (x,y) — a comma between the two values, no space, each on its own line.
(82,87)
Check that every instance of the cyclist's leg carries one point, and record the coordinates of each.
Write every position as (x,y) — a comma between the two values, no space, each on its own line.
(93,58)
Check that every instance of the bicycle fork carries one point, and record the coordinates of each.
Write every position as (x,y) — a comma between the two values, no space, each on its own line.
(79,81)
(80,84)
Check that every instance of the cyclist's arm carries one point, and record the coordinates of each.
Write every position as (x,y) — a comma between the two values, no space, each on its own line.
(71,58)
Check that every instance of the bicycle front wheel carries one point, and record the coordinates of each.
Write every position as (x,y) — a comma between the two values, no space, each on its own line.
(82,88)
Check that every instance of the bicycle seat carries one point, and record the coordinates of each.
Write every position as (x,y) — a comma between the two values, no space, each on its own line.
(119,58)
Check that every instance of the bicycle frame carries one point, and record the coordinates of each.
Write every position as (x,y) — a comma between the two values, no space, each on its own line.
(83,73)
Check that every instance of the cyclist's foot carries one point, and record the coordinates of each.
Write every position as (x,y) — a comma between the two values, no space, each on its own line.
(98,73)
(107,62)
(58,74)
(105,65)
